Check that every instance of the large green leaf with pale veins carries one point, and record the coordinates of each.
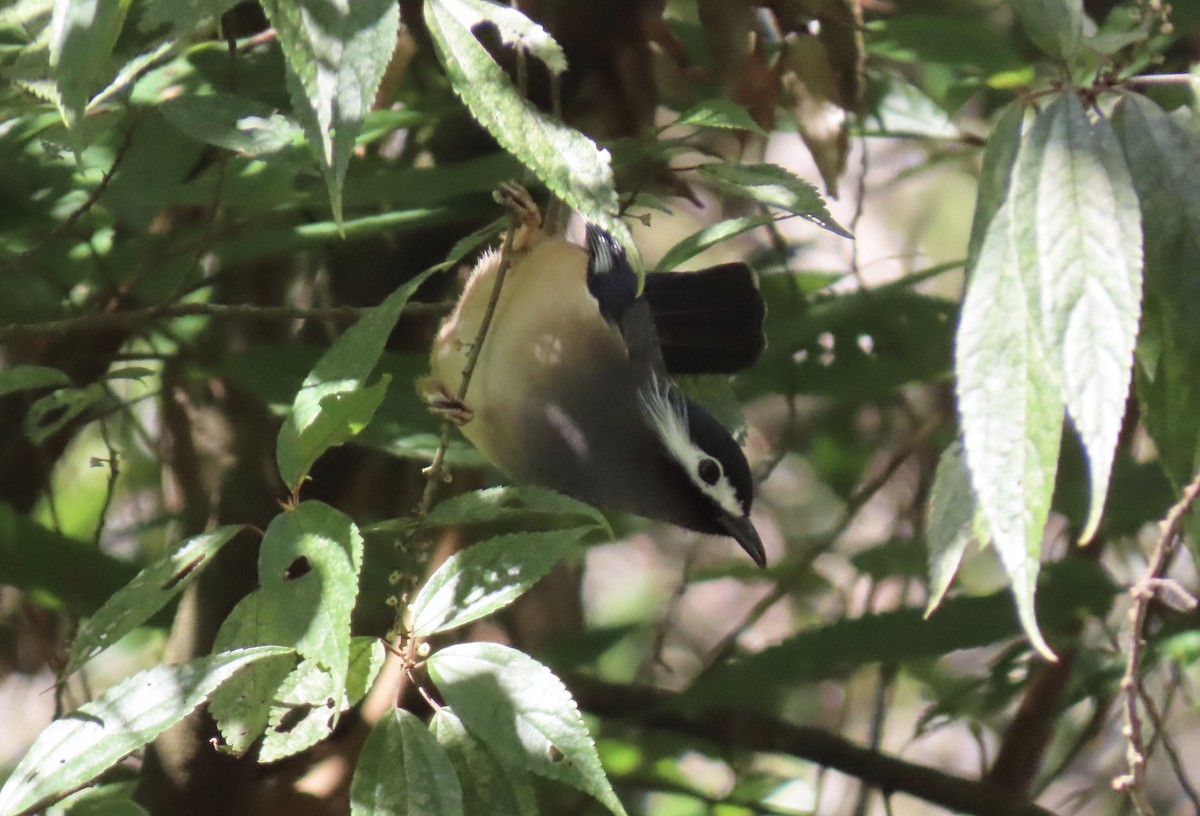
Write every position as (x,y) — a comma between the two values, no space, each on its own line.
(523,713)
(403,771)
(1074,196)
(565,160)
(76,749)
(1011,411)
(336,54)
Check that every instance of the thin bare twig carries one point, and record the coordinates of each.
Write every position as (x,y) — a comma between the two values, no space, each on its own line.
(83,208)
(138,318)
(1147,589)
(796,572)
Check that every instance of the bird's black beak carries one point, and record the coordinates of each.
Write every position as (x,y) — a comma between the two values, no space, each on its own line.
(744,533)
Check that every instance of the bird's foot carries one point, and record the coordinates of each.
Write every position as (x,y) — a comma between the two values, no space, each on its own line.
(516,198)
(450,408)
(441,402)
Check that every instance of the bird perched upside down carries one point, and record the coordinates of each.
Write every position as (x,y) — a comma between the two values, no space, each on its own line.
(572,389)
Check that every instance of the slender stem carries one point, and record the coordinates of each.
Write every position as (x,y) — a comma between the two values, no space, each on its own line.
(1143,592)
(138,318)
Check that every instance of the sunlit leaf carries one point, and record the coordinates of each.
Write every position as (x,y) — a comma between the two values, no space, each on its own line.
(402,771)
(134,604)
(336,54)
(488,576)
(522,712)
(77,748)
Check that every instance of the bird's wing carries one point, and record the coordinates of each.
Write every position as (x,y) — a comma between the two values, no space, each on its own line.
(614,285)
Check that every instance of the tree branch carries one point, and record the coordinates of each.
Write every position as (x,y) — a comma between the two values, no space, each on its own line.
(650,708)
(138,318)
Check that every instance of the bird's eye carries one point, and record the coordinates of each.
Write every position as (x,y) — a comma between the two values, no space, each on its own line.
(709,470)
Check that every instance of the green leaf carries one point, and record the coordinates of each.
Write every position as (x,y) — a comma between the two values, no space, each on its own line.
(565,160)
(115,799)
(308,575)
(52,412)
(336,54)
(1075,197)
(325,546)
(514,28)
(1070,590)
(773,186)
(303,708)
(488,576)
(82,35)
(402,771)
(25,377)
(134,604)
(522,712)
(719,113)
(952,512)
(999,156)
(710,236)
(341,415)
(313,423)
(235,123)
(1055,26)
(492,787)
(76,749)
(512,501)
(1162,152)
(1011,410)
(242,707)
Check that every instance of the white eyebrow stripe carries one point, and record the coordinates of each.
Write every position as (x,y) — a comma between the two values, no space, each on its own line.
(667,413)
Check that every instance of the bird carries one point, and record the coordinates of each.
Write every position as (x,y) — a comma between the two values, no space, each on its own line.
(573,387)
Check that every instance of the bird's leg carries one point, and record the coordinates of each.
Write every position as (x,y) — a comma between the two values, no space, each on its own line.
(517,199)
(442,403)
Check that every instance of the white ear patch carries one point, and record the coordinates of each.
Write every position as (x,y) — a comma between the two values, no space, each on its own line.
(666,409)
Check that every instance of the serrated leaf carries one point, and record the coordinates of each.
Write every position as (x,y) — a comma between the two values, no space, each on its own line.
(342,369)
(242,707)
(719,113)
(1162,152)
(952,512)
(773,186)
(497,504)
(514,28)
(492,787)
(1011,411)
(1075,196)
(82,34)
(134,604)
(710,236)
(308,575)
(522,712)
(341,416)
(995,175)
(488,576)
(25,377)
(565,160)
(402,771)
(512,501)
(336,54)
(1055,26)
(303,707)
(236,123)
(79,747)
